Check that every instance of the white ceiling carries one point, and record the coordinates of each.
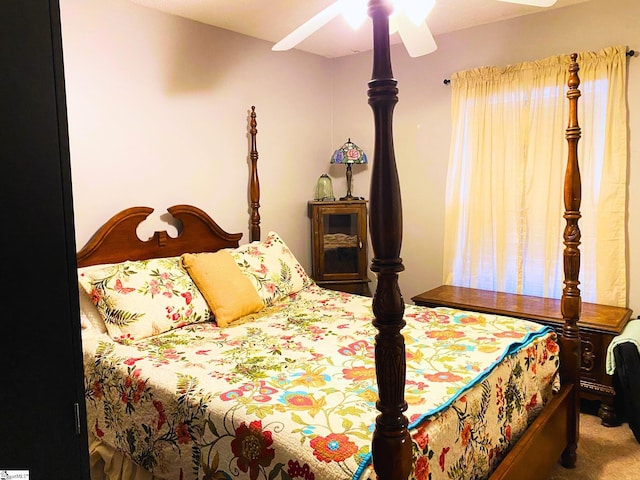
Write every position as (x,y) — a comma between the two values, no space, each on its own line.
(272,20)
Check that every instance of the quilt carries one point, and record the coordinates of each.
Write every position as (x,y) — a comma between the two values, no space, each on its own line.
(290,392)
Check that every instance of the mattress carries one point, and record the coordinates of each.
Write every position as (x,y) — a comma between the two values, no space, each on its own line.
(290,392)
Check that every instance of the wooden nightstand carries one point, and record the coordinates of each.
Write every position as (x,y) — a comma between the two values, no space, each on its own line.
(339,245)
(598,325)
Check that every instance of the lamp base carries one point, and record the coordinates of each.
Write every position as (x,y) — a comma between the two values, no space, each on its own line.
(348,196)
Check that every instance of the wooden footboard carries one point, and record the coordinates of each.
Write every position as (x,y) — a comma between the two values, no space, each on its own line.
(555,431)
(554,434)
(542,444)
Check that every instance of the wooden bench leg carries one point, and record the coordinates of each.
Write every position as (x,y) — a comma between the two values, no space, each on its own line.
(607,412)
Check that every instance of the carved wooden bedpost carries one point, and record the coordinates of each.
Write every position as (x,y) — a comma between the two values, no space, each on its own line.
(571,302)
(254,186)
(391,445)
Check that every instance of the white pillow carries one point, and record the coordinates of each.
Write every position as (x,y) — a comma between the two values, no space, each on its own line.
(90,317)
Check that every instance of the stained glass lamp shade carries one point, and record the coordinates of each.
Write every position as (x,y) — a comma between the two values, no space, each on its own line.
(349,153)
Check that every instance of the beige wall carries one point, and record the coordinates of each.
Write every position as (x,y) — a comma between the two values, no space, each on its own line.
(158,110)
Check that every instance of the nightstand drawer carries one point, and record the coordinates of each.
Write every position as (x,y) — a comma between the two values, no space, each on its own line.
(593,377)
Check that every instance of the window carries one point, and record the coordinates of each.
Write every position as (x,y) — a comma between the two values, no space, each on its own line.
(504,201)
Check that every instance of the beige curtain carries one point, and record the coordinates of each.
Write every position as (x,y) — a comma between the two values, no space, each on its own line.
(504,204)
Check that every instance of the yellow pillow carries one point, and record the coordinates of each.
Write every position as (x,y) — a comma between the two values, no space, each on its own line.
(229,293)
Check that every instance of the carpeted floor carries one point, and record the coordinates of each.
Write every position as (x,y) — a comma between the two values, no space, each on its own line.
(604,453)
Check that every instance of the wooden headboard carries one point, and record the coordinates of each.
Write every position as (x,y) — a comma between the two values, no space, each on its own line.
(117,240)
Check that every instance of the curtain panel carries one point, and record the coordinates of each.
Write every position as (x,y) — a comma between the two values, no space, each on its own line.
(504,193)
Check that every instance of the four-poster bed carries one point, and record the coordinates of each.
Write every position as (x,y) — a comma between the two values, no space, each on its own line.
(180,434)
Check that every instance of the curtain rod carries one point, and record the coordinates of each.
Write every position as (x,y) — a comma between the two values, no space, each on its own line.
(630,53)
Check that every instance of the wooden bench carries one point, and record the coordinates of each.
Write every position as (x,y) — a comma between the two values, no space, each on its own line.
(598,325)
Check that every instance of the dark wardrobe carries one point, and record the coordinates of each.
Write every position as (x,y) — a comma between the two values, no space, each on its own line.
(42,414)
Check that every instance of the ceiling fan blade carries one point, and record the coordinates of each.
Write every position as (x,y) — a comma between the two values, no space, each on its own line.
(417,39)
(309,27)
(533,3)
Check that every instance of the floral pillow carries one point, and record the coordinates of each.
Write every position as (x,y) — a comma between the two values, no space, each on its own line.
(139,299)
(272,268)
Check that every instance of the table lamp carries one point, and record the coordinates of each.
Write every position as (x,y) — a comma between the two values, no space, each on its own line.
(349,153)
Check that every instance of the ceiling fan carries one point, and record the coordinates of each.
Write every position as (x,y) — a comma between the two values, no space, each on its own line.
(408,19)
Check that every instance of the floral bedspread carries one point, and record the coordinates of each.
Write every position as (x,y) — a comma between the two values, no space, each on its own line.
(290,393)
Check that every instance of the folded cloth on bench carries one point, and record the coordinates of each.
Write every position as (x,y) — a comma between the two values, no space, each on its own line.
(631,334)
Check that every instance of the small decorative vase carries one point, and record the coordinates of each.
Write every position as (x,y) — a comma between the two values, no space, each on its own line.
(324,189)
